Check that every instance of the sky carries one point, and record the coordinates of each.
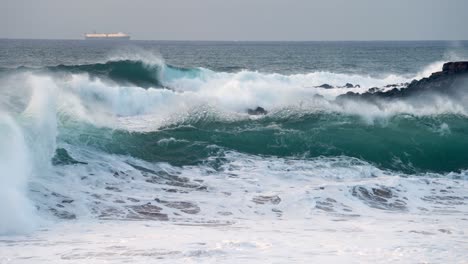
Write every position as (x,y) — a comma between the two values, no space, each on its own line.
(294,20)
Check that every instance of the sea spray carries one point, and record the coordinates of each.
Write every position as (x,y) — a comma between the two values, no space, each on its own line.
(17,211)
(27,141)
(40,121)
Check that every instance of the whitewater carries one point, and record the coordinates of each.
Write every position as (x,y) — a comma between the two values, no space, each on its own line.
(152,157)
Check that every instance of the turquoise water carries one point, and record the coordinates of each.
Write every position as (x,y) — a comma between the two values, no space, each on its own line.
(95,124)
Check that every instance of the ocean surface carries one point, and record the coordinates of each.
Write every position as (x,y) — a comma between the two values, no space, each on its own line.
(144,152)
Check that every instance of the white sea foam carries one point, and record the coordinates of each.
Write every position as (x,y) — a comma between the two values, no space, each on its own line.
(230,94)
(260,209)
(250,207)
(15,169)
(27,146)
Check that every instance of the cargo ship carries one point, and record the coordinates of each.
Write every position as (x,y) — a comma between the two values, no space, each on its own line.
(107,36)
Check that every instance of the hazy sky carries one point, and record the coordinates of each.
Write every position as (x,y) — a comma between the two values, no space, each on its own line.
(238,19)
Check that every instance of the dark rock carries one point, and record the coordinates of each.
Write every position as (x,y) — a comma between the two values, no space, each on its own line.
(454,76)
(455,67)
(373,90)
(257,111)
(349,85)
(326,86)
(62,157)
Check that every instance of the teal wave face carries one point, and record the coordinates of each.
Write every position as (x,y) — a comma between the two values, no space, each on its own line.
(129,72)
(123,72)
(403,143)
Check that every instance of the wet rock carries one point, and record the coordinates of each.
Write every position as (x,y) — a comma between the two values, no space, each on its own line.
(62,157)
(452,78)
(455,67)
(349,85)
(373,90)
(257,111)
(325,86)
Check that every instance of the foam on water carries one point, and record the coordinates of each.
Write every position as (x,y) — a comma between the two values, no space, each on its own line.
(16,209)
(129,107)
(255,208)
(250,206)
(28,144)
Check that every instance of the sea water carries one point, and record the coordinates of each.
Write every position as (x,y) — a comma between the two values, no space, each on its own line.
(143,152)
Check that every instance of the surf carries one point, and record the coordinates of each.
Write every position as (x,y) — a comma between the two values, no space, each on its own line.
(84,133)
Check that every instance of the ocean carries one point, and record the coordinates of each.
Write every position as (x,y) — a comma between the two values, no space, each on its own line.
(145,152)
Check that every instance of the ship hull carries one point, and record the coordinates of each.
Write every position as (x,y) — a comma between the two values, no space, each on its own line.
(109,38)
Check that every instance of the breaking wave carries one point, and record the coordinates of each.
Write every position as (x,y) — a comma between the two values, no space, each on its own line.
(161,124)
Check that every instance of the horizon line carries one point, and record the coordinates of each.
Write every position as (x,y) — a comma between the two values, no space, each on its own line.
(214,40)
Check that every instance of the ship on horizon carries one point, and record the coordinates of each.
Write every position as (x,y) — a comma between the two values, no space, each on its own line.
(107,36)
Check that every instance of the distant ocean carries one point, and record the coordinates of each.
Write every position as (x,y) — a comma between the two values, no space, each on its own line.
(144,152)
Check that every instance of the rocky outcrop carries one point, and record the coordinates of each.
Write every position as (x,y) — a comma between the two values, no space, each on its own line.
(63,158)
(454,76)
(325,86)
(257,111)
(455,67)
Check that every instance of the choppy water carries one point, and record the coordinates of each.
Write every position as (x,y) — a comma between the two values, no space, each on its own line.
(145,152)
